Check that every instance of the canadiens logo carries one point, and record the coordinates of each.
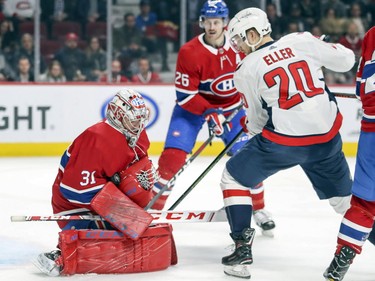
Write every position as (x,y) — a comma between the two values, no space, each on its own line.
(137,102)
(223,85)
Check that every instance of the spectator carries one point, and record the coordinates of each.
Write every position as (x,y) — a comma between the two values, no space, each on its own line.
(292,27)
(145,74)
(310,11)
(332,25)
(370,8)
(146,22)
(355,15)
(127,42)
(57,11)
(54,74)
(168,12)
(352,40)
(24,72)
(2,16)
(91,11)
(6,71)
(337,5)
(8,37)
(317,31)
(19,11)
(27,50)
(96,60)
(146,19)
(295,16)
(72,58)
(118,75)
(276,21)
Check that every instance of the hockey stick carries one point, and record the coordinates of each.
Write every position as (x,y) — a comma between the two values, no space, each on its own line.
(158,217)
(201,176)
(345,95)
(172,181)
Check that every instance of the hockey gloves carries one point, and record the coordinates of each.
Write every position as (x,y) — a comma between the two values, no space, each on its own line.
(216,120)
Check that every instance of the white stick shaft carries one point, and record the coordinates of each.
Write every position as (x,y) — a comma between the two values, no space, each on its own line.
(159,217)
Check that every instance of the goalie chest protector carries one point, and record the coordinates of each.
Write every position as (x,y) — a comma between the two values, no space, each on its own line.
(109,251)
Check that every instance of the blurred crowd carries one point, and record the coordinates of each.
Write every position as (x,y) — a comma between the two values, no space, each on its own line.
(73,35)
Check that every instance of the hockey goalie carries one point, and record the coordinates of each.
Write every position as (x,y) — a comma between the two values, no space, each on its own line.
(106,171)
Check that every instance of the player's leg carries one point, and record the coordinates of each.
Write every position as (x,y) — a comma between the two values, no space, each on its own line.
(238,206)
(257,160)
(358,221)
(182,133)
(51,263)
(355,228)
(262,217)
(107,251)
(330,176)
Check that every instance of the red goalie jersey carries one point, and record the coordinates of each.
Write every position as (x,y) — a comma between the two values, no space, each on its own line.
(103,151)
(204,76)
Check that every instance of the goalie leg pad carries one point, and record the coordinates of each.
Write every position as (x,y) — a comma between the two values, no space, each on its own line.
(120,211)
(109,251)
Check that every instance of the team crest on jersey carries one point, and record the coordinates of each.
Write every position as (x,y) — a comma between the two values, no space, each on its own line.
(223,86)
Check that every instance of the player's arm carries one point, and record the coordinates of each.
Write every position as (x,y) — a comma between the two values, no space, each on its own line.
(82,177)
(256,115)
(333,56)
(187,80)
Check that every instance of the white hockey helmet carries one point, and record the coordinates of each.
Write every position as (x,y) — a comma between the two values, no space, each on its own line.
(128,113)
(245,20)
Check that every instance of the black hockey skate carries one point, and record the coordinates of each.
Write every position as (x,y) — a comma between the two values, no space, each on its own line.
(340,264)
(49,263)
(237,264)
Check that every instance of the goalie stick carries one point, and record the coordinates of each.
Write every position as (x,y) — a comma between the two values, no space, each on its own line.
(201,176)
(171,182)
(158,217)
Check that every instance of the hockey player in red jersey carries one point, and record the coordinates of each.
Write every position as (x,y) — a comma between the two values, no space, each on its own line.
(358,222)
(205,93)
(294,120)
(105,171)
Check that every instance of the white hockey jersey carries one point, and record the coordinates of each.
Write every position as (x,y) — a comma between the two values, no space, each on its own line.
(286,95)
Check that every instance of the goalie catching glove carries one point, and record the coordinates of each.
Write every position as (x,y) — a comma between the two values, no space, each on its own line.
(137,181)
(216,121)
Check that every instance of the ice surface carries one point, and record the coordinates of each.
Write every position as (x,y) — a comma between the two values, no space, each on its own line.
(303,246)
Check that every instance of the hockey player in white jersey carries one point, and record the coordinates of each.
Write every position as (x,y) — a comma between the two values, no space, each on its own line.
(294,121)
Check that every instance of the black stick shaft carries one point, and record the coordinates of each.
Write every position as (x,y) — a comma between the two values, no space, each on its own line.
(205,172)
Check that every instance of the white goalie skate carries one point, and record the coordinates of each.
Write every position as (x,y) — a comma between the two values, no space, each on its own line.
(264,220)
(48,263)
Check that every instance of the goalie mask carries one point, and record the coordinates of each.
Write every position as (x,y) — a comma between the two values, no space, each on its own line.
(128,113)
(214,9)
(244,20)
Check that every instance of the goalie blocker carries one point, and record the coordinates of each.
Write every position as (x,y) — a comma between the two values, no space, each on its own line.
(109,251)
